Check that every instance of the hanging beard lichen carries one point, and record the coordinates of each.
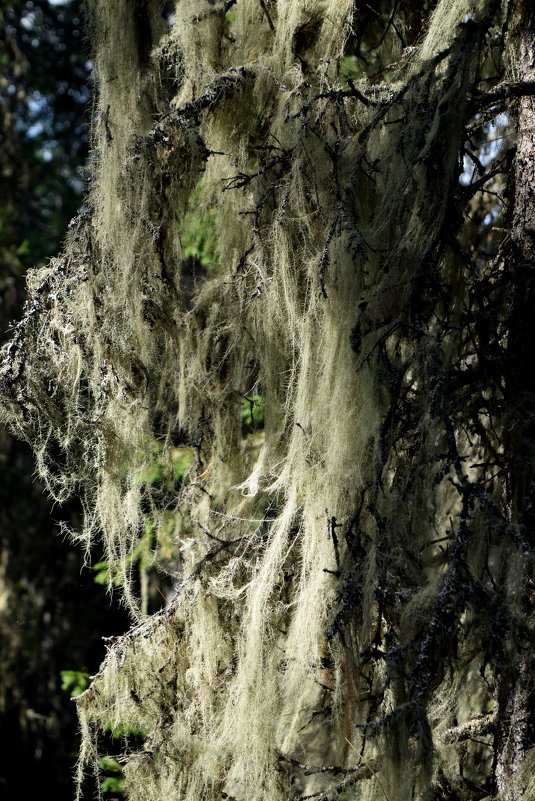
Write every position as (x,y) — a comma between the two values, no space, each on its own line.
(332,572)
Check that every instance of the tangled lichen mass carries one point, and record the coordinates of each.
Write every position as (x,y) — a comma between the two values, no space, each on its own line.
(341,610)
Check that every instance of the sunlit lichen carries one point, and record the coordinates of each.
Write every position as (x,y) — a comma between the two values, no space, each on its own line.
(324,202)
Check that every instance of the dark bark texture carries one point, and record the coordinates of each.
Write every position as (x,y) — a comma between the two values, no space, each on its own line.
(515,734)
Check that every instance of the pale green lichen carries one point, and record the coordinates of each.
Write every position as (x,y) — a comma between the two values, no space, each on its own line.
(325,210)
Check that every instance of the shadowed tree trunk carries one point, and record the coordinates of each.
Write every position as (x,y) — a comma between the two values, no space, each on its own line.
(516,699)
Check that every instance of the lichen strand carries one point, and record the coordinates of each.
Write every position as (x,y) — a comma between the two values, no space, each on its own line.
(314,612)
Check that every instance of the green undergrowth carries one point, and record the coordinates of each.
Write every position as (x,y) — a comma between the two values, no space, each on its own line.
(74,681)
(253,412)
(197,231)
(168,467)
(113,781)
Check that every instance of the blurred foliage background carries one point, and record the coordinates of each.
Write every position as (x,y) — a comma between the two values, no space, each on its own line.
(52,613)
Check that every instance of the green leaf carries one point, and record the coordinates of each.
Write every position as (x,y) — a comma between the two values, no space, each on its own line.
(252,411)
(114,783)
(24,248)
(74,681)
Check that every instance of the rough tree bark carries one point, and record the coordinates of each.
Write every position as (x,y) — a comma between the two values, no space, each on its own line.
(515,728)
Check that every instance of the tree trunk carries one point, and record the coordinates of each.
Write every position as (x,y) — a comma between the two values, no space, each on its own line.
(516,720)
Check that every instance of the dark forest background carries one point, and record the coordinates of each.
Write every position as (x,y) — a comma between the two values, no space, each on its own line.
(53,613)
